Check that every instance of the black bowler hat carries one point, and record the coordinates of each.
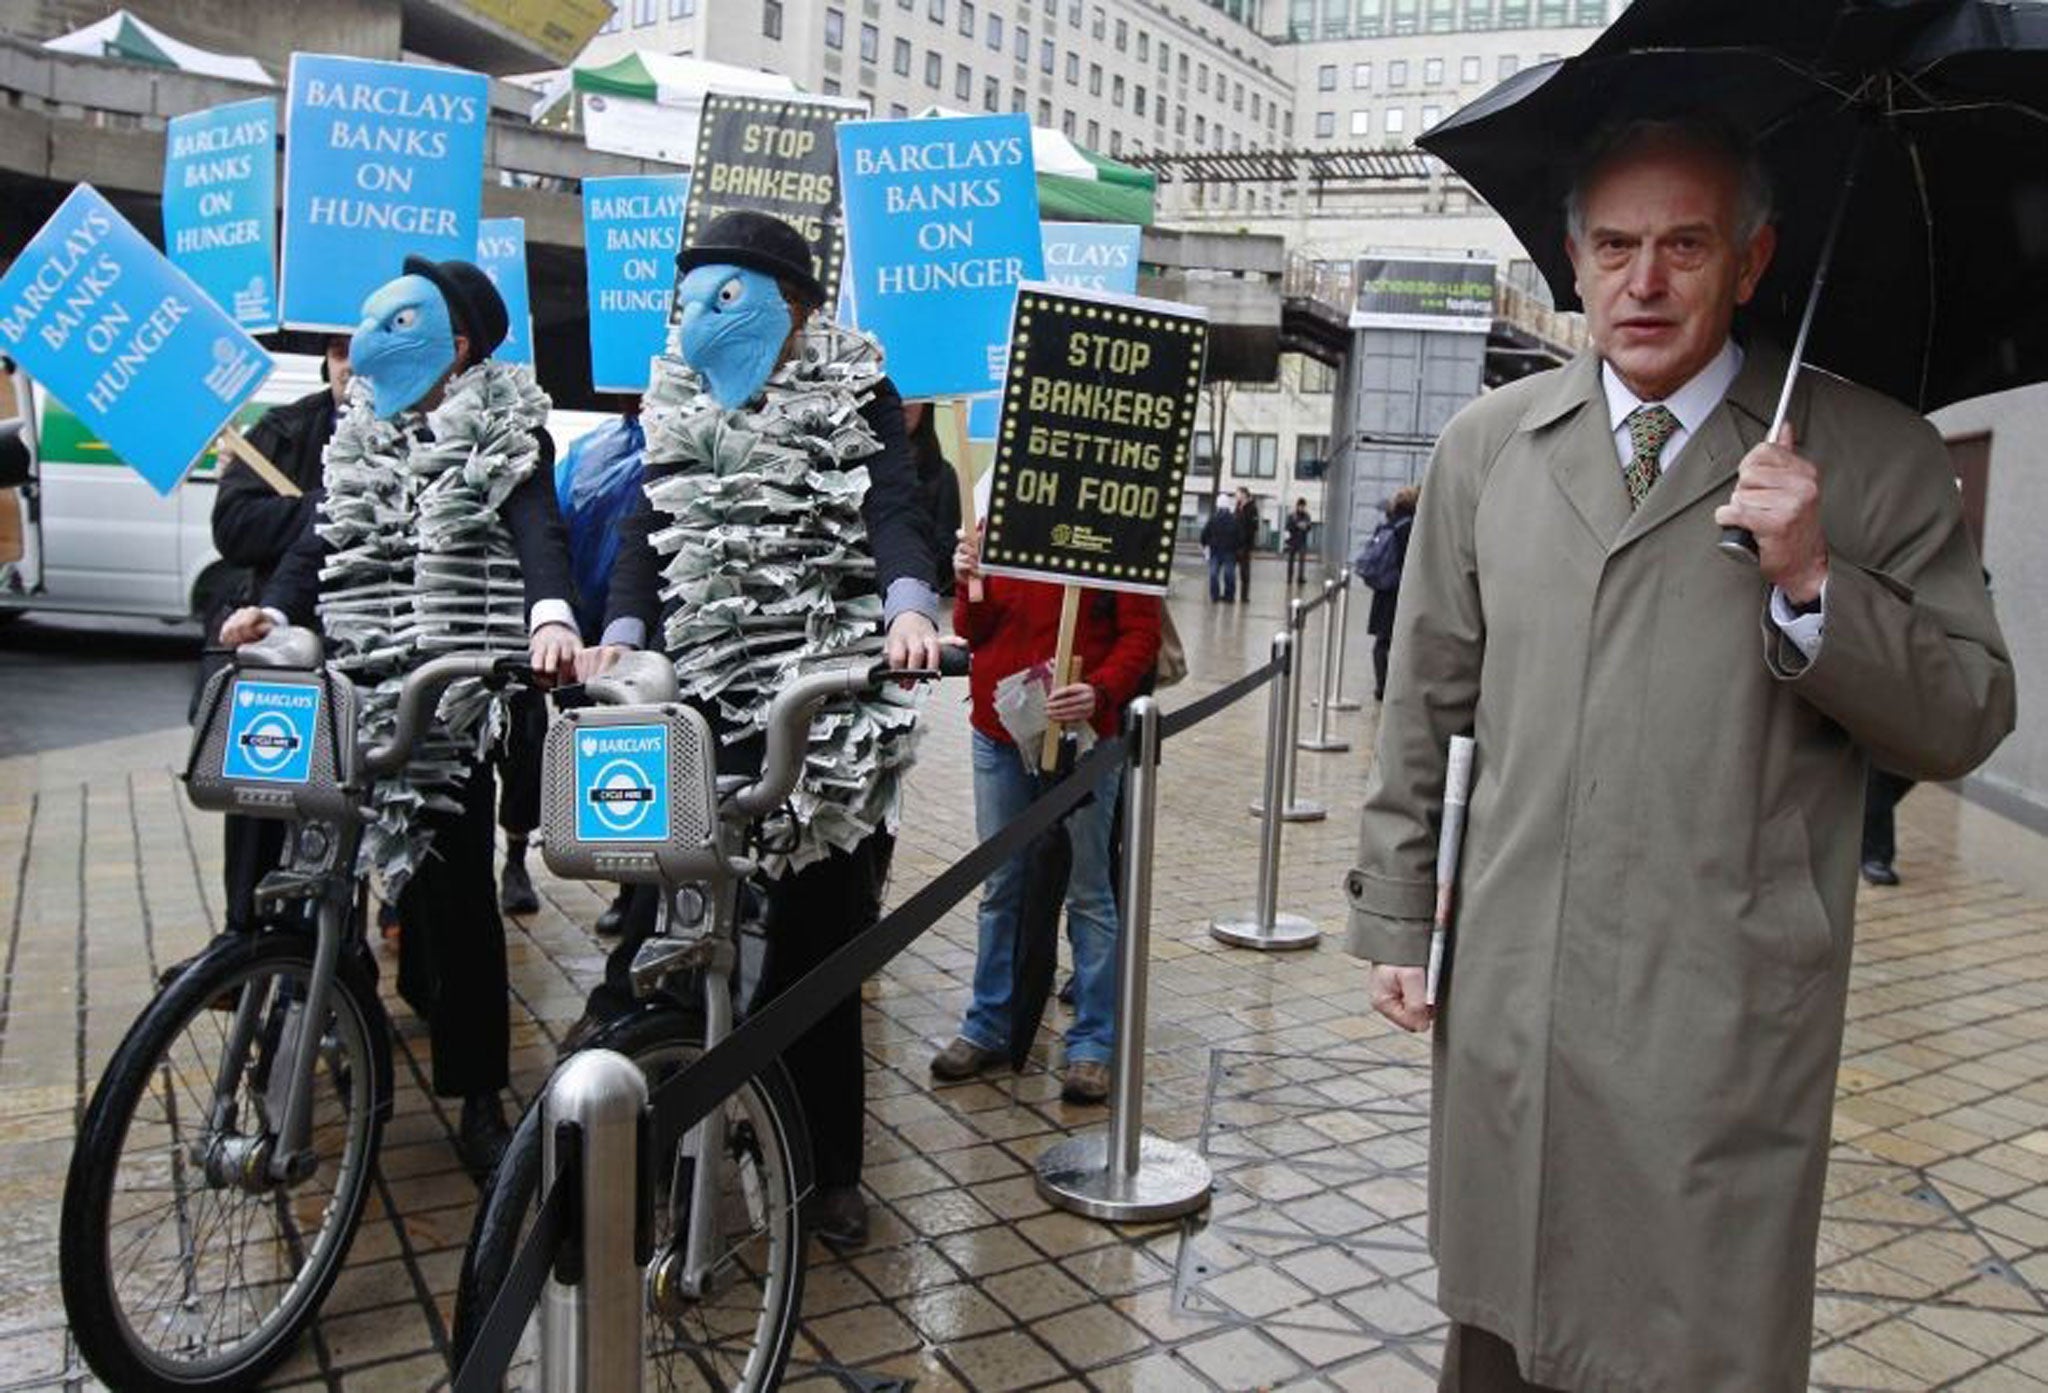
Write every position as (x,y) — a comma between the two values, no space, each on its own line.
(473,302)
(760,243)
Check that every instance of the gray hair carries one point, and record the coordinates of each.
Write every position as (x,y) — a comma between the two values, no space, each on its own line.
(1702,134)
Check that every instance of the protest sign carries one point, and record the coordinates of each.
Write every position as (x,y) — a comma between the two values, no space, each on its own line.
(1085,256)
(501,255)
(1453,293)
(941,226)
(1092,452)
(382,161)
(630,229)
(773,155)
(125,339)
(220,206)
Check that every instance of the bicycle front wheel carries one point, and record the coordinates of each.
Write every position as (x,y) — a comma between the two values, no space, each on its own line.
(729,1334)
(184,1265)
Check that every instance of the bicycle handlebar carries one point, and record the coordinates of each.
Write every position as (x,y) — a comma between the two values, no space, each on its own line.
(422,692)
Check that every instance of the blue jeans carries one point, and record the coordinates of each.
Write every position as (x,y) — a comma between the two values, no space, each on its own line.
(1002,790)
(1222,575)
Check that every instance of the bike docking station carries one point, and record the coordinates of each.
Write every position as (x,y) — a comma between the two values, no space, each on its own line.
(594,1129)
(1120,1174)
(1266,928)
(1322,742)
(1292,808)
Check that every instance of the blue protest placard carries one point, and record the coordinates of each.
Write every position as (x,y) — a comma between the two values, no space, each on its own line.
(270,731)
(1082,255)
(382,161)
(125,339)
(501,255)
(220,206)
(631,227)
(941,225)
(622,784)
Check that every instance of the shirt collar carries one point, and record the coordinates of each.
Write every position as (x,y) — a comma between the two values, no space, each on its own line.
(1691,404)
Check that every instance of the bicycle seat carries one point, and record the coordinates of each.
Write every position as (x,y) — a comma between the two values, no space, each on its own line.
(638,679)
(290,648)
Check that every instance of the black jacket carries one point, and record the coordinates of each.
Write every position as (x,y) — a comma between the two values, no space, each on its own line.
(900,526)
(529,514)
(253,524)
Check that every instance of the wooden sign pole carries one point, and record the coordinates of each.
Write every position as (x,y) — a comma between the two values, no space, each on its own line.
(239,445)
(1062,672)
(963,472)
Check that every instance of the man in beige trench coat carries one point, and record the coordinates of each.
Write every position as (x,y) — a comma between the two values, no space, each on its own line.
(1636,1046)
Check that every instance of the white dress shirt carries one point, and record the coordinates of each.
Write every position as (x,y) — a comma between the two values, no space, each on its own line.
(1691,404)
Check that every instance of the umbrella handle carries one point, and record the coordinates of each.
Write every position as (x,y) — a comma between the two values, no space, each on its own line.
(1738,544)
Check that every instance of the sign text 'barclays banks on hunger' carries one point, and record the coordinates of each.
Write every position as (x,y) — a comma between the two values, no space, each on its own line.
(220,206)
(382,161)
(501,255)
(942,225)
(630,228)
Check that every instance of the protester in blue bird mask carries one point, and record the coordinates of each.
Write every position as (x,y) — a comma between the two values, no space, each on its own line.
(734,323)
(405,343)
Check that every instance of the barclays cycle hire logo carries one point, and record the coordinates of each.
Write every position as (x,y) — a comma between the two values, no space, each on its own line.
(270,732)
(622,784)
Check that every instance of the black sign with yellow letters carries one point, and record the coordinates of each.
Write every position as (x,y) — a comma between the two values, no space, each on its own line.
(1092,450)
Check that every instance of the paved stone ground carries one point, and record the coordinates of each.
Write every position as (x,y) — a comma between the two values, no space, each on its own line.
(1308,1272)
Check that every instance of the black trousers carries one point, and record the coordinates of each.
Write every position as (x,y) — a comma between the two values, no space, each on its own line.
(1297,566)
(519,763)
(1382,648)
(251,848)
(451,962)
(1479,1361)
(1882,791)
(810,913)
(1244,577)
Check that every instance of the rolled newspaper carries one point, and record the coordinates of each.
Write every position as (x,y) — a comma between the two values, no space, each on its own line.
(1450,837)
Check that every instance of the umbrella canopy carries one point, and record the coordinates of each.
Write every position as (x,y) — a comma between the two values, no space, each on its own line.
(1939,289)
(124,37)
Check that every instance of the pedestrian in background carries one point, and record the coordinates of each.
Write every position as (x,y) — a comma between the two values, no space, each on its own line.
(1299,524)
(1636,1044)
(1014,625)
(1219,539)
(1247,540)
(1379,566)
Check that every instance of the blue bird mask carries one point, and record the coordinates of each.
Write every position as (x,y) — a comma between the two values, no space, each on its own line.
(734,322)
(404,345)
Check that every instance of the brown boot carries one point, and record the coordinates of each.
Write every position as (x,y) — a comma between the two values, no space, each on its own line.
(1086,1081)
(963,1059)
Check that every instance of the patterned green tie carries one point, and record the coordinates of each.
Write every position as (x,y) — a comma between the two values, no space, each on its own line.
(1649,427)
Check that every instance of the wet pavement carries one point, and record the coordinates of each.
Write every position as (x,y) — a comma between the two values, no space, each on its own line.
(1309,1269)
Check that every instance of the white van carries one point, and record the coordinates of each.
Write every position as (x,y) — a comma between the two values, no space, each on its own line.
(86,533)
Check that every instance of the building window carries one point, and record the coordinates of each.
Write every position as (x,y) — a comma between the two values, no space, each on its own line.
(1095,79)
(1397,74)
(1045,55)
(1044,113)
(897,111)
(1201,128)
(937,10)
(1318,376)
(1237,96)
(1254,456)
(1326,78)
(771,18)
(1204,461)
(1074,16)
(1019,99)
(1468,69)
(870,43)
(835,29)
(1094,134)
(1397,120)
(643,12)
(1116,90)
(1073,69)
(1361,77)
(991,94)
(1361,122)
(995,33)
(934,70)
(963,83)
(1326,124)
(967,17)
(1181,68)
(1311,452)
(1162,55)
(831,86)
(901,61)
(681,9)
(1432,72)
(1202,78)
(1137,97)
(1067,124)
(1431,115)
(1123,36)
(1506,67)
(1255,108)
(1144,46)
(1023,47)
(1099,28)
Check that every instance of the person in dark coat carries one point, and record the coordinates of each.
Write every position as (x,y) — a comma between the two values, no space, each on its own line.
(454,941)
(1379,622)
(937,482)
(1219,538)
(253,526)
(1299,524)
(1247,516)
(816,909)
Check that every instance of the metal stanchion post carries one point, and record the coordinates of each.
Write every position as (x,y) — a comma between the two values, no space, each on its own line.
(1121,1174)
(1266,927)
(590,1313)
(1322,741)
(1293,809)
(1338,701)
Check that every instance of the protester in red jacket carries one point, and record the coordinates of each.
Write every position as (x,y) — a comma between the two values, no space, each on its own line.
(1014,625)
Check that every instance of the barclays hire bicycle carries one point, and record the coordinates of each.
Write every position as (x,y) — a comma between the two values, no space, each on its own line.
(629,793)
(224,1160)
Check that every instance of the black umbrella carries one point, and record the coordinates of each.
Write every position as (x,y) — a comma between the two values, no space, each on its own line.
(1919,129)
(1035,941)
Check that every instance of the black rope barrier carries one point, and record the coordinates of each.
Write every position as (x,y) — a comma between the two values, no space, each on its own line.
(685,1099)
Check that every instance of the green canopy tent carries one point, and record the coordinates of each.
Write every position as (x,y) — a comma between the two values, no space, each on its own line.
(124,38)
(1077,185)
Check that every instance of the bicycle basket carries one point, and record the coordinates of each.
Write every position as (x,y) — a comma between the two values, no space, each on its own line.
(627,794)
(275,742)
